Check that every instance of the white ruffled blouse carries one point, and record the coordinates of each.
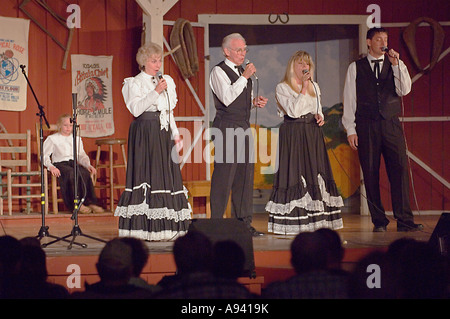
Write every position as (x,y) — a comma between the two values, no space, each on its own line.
(140,96)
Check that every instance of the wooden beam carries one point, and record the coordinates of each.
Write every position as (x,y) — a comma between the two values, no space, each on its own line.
(154,11)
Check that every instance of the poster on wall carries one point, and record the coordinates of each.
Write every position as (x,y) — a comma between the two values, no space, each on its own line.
(92,83)
(13,54)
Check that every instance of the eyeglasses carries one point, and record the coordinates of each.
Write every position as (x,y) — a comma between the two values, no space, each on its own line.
(240,50)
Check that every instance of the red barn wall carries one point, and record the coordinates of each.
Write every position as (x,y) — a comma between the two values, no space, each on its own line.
(113,27)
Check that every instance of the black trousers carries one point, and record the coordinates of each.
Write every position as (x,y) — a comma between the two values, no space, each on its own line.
(384,137)
(233,171)
(67,183)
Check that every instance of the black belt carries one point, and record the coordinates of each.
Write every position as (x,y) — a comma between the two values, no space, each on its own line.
(307,118)
(149,116)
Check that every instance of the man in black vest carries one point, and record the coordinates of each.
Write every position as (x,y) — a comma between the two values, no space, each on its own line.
(233,158)
(372,103)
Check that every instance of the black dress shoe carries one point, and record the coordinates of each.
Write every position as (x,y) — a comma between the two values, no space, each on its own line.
(379,229)
(409,227)
(255,233)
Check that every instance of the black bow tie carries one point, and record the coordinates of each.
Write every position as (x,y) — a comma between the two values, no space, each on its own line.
(377,67)
(240,69)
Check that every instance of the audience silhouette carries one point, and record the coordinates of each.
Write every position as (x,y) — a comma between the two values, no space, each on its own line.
(310,258)
(195,278)
(28,271)
(115,268)
(228,260)
(10,255)
(139,255)
(408,269)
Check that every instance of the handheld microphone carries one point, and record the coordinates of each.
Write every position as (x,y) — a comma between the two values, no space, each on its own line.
(247,62)
(306,71)
(160,77)
(74,107)
(385,49)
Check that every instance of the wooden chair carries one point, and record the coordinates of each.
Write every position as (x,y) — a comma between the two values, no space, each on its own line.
(110,166)
(55,199)
(202,188)
(16,173)
(54,188)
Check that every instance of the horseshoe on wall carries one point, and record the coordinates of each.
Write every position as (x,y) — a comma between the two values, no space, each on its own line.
(409,36)
(278,18)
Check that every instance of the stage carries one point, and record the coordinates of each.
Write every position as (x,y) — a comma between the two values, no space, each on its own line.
(271,252)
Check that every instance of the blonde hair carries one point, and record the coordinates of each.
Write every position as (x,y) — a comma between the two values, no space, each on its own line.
(60,120)
(145,52)
(290,77)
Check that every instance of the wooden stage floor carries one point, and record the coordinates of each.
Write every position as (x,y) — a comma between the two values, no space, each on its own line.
(357,232)
(271,251)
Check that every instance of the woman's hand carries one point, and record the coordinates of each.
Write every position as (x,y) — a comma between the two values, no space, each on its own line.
(161,86)
(178,143)
(319,119)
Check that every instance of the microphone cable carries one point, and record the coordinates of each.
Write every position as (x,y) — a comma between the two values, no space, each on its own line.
(83,198)
(406,142)
(169,159)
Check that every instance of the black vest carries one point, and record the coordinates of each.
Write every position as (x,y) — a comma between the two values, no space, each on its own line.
(376,97)
(238,111)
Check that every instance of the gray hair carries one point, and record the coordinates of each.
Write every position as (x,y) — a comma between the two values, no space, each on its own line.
(145,52)
(226,41)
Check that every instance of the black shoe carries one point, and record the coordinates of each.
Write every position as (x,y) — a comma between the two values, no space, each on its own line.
(379,229)
(255,233)
(409,227)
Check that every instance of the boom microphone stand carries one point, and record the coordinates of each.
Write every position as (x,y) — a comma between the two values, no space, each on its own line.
(76,230)
(43,231)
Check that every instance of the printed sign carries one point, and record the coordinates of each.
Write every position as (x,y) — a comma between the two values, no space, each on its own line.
(92,82)
(13,55)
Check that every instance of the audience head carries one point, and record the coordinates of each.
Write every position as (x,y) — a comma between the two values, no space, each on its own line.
(192,253)
(420,272)
(228,259)
(335,251)
(139,254)
(307,252)
(115,263)
(10,254)
(33,265)
(366,282)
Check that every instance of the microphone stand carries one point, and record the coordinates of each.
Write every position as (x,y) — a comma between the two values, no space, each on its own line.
(43,231)
(76,230)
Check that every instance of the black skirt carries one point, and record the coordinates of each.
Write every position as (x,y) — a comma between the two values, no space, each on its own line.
(154,205)
(304,195)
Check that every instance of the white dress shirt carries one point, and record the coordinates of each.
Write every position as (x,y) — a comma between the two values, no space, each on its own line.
(60,148)
(140,96)
(221,84)
(402,82)
(294,104)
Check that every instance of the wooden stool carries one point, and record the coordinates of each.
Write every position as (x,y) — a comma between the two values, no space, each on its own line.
(203,189)
(110,142)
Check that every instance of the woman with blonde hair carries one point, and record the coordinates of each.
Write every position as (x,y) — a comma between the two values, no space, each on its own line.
(304,195)
(58,158)
(154,204)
